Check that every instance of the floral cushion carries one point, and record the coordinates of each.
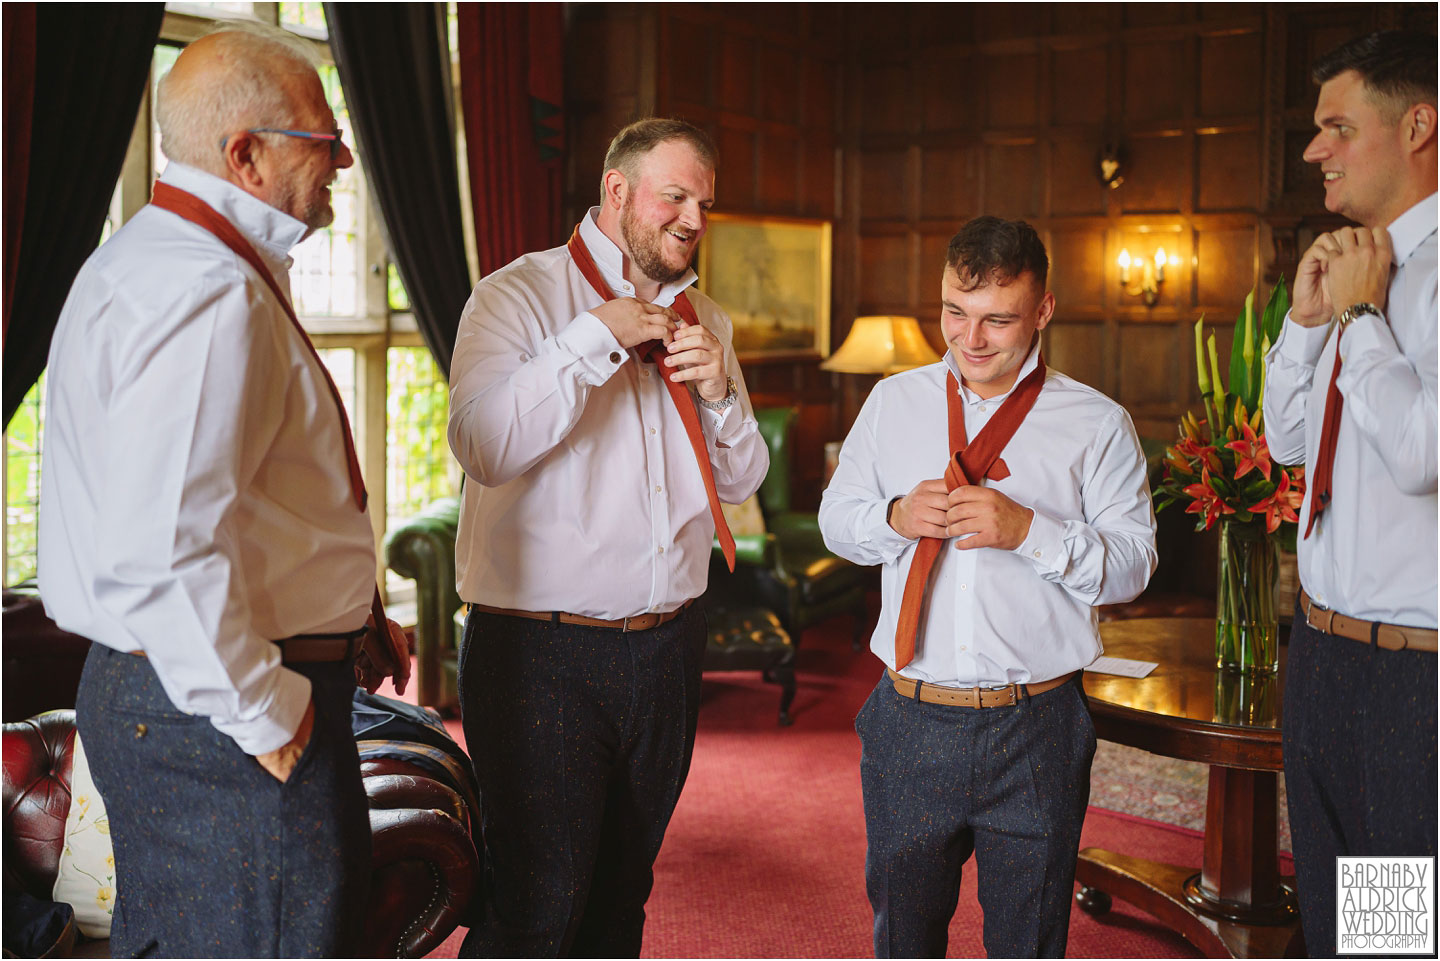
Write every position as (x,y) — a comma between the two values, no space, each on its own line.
(744,518)
(86,878)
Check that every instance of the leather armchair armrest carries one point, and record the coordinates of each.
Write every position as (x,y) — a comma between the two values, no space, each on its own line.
(425,872)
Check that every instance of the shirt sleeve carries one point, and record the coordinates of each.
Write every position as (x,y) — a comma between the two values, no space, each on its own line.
(1108,557)
(739,456)
(195,429)
(1289,376)
(854,508)
(1391,398)
(515,393)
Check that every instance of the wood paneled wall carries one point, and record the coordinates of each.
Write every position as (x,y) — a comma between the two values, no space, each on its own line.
(901,121)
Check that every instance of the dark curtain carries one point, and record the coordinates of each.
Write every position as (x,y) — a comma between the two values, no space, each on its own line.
(512,89)
(84,83)
(392,59)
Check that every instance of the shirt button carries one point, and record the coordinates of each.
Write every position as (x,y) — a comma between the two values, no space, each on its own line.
(657,488)
(614,357)
(962,587)
(652,430)
(983,408)
(659,550)
(1038,553)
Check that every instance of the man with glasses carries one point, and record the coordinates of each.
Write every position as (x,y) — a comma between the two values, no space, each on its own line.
(203,521)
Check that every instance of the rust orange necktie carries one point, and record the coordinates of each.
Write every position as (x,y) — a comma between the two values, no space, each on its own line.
(192,208)
(651,352)
(1329,433)
(979,460)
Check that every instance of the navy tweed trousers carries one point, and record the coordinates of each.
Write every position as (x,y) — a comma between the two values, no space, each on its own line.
(1358,736)
(213,856)
(1006,784)
(581,740)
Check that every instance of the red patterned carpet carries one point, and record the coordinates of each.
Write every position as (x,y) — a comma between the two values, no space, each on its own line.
(765,854)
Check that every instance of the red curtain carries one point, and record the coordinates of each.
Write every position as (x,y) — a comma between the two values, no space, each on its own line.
(512,89)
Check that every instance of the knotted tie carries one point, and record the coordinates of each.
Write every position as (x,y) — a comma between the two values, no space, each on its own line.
(979,460)
(651,352)
(1329,433)
(197,211)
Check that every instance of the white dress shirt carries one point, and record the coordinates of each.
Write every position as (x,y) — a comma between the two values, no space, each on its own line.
(195,502)
(1372,553)
(993,616)
(584,495)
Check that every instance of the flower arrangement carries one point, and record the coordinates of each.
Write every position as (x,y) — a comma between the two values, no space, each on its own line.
(1220,467)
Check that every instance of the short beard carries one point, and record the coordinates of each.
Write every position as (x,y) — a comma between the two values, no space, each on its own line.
(645,249)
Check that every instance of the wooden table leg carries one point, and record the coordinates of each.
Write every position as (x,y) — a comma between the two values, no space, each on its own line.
(1236,905)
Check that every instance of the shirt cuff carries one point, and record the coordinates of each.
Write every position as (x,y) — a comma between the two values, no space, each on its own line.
(1366,333)
(880,535)
(599,352)
(1302,345)
(1044,546)
(273,729)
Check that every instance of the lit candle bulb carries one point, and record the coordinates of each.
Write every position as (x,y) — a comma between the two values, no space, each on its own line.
(1160,264)
(1124,266)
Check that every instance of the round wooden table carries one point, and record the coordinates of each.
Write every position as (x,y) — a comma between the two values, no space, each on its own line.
(1236,904)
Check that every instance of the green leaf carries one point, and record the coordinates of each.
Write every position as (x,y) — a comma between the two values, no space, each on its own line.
(1240,347)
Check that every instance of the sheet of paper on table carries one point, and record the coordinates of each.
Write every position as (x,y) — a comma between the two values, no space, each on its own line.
(1122,666)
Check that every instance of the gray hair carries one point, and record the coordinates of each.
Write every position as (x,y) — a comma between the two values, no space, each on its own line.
(244,90)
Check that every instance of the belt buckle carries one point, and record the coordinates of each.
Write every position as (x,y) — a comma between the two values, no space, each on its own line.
(1316,622)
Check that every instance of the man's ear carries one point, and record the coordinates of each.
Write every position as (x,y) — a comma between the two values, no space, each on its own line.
(1045,311)
(242,154)
(1419,126)
(615,189)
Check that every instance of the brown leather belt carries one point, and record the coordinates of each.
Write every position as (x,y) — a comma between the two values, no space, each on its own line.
(640,622)
(973,696)
(313,648)
(1392,637)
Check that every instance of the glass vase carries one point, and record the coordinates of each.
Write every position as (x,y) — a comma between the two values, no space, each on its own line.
(1247,626)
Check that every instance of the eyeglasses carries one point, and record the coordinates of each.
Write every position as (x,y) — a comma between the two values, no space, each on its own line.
(333,138)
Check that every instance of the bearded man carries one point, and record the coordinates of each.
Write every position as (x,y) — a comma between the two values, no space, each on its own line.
(599,413)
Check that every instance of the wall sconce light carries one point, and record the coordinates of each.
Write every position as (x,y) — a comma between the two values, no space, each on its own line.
(1152,274)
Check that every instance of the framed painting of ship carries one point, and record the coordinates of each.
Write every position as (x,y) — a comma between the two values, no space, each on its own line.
(772,276)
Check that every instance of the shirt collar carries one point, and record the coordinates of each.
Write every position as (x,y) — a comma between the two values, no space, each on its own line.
(272,231)
(970,397)
(1411,228)
(611,261)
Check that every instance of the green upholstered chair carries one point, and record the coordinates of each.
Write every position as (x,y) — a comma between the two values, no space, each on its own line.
(423,548)
(788,569)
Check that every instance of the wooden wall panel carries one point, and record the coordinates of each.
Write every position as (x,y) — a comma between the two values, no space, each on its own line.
(1230,78)
(1075,256)
(737,74)
(1079,349)
(1011,88)
(930,270)
(779,173)
(1012,182)
(885,102)
(1227,170)
(1158,177)
(1149,366)
(735,181)
(1078,79)
(1229,274)
(885,283)
(1153,14)
(884,184)
(1155,81)
(948,95)
(1074,186)
(949,183)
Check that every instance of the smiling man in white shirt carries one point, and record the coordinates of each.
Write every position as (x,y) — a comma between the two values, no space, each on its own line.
(585,536)
(978,739)
(1357,352)
(203,521)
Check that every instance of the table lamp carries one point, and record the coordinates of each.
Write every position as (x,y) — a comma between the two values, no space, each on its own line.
(881,345)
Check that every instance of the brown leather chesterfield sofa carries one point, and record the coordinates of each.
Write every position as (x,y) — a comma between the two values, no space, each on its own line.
(424,860)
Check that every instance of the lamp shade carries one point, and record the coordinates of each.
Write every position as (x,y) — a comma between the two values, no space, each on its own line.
(881,345)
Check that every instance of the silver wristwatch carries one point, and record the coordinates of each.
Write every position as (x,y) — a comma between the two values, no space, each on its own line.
(724,403)
(1355,310)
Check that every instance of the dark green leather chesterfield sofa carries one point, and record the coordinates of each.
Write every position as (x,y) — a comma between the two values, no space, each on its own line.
(423,549)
